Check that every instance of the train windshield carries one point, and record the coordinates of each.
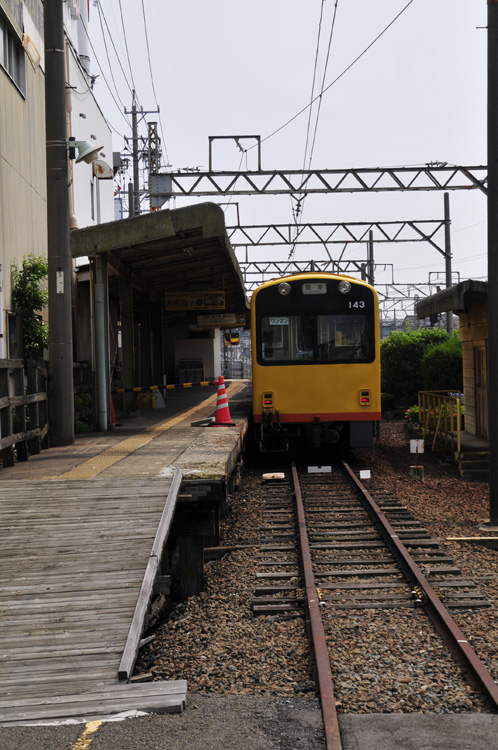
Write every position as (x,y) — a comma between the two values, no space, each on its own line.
(316,338)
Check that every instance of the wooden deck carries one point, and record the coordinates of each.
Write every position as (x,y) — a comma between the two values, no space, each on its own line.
(78,560)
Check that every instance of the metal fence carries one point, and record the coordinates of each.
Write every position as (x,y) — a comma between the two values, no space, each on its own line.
(236,369)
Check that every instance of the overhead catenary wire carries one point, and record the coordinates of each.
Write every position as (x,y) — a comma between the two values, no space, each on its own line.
(315,67)
(298,215)
(338,78)
(332,28)
(297,209)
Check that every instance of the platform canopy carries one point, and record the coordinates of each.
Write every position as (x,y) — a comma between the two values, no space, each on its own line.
(168,253)
(453,299)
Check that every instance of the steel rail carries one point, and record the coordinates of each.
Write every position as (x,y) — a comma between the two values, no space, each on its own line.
(322,659)
(474,670)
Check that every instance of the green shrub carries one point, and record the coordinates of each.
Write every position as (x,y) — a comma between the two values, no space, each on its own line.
(387,401)
(442,366)
(401,363)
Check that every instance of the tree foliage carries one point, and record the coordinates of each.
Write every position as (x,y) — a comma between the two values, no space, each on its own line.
(401,357)
(30,297)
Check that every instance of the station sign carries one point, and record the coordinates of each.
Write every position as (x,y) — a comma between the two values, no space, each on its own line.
(194,301)
(226,320)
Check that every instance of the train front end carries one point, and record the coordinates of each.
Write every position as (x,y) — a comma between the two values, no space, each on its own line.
(316,361)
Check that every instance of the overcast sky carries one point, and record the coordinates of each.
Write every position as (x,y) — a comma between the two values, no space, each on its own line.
(418,95)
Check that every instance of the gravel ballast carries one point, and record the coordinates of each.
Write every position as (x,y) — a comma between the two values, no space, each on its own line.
(250,679)
(383,660)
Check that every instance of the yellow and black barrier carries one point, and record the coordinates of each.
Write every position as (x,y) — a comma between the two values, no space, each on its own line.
(169,387)
(192,385)
(136,390)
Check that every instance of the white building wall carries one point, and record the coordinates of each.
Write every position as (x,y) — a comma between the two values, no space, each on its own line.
(206,349)
(86,122)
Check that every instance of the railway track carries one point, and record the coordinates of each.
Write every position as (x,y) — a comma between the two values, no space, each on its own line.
(328,543)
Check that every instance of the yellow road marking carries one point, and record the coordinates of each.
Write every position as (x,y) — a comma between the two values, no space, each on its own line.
(96,465)
(85,740)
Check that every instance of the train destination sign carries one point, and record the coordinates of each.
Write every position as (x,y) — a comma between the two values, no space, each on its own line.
(315,287)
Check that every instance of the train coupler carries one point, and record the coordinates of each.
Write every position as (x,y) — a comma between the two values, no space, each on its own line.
(273,442)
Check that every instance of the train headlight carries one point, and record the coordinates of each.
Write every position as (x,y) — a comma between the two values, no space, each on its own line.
(284,289)
(344,287)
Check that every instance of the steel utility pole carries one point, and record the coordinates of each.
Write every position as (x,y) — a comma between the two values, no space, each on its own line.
(447,258)
(60,267)
(493,257)
(134,205)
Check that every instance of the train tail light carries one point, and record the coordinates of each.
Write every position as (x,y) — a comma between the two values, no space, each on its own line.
(365,398)
(267,400)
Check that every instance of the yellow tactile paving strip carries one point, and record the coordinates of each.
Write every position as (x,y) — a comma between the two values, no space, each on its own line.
(96,465)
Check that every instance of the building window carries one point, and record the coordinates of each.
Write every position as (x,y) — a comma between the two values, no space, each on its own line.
(12,56)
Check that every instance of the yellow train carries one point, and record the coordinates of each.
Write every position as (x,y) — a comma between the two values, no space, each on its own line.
(315,361)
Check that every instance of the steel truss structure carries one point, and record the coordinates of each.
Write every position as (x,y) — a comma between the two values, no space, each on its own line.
(255,273)
(393,297)
(300,182)
(339,233)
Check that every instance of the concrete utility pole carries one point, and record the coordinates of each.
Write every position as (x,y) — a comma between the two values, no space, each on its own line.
(60,267)
(493,257)
(136,181)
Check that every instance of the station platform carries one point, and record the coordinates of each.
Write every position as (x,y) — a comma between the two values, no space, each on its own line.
(152,442)
(89,532)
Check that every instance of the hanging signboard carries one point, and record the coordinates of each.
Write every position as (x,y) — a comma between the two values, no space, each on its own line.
(194,300)
(223,320)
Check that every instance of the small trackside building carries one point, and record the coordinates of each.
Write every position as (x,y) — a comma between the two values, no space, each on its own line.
(468,300)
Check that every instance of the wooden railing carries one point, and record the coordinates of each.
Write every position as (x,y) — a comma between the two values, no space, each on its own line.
(440,417)
(23,410)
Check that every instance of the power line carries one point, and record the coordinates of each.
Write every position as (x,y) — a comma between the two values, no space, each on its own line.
(298,218)
(323,82)
(126,46)
(102,16)
(266,138)
(106,83)
(317,53)
(152,81)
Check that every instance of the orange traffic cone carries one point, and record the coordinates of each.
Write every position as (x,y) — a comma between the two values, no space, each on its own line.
(222,411)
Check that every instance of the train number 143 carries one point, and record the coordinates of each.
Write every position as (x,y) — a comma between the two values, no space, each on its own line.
(358,303)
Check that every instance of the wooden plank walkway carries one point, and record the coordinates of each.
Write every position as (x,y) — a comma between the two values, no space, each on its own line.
(78,560)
